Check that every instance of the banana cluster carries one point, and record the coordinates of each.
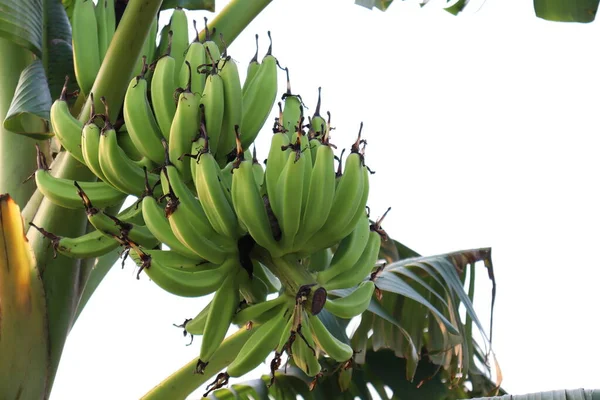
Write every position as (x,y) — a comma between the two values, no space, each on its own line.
(209,217)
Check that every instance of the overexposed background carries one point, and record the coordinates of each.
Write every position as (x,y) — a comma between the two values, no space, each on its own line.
(482,130)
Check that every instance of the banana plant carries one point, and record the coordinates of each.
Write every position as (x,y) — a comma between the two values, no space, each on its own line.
(411,337)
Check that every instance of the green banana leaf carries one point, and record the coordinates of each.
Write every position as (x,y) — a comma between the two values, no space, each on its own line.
(566,10)
(29,112)
(48,35)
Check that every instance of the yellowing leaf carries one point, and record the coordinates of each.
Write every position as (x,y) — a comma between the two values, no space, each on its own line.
(23,324)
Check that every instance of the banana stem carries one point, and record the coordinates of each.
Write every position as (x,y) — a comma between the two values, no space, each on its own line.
(233,19)
(290,273)
(184,381)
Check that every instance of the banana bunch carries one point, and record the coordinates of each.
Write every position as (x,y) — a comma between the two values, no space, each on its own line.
(274,243)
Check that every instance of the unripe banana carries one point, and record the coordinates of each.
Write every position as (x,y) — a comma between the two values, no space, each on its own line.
(162,91)
(196,56)
(252,312)
(292,111)
(180,39)
(276,161)
(258,347)
(113,227)
(213,198)
(252,69)
(289,195)
(120,171)
(348,251)
(158,224)
(90,145)
(196,325)
(139,119)
(232,110)
(86,51)
(321,192)
(350,198)
(173,260)
(183,130)
(361,269)
(181,282)
(320,260)
(90,245)
(334,348)
(353,304)
(250,207)
(222,309)
(258,99)
(304,349)
(65,126)
(148,50)
(105,21)
(213,101)
(63,192)
(318,125)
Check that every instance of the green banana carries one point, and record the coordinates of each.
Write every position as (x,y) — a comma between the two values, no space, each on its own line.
(65,126)
(289,195)
(258,99)
(62,191)
(361,269)
(252,312)
(354,304)
(89,245)
(173,260)
(180,39)
(158,224)
(196,325)
(139,119)
(213,197)
(292,111)
(196,56)
(232,108)
(318,125)
(218,320)
(350,198)
(120,171)
(348,252)
(86,51)
(333,347)
(189,223)
(250,207)
(127,145)
(213,102)
(303,348)
(183,131)
(252,69)
(183,283)
(278,156)
(105,21)
(90,145)
(92,244)
(258,347)
(257,170)
(162,92)
(113,226)
(320,260)
(321,192)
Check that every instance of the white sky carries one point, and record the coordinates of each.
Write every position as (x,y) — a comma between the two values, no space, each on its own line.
(482,130)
